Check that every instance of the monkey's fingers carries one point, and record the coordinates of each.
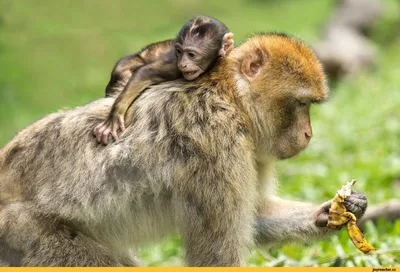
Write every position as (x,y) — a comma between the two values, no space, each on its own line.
(104,136)
(357,237)
(99,131)
(97,128)
(121,122)
(114,135)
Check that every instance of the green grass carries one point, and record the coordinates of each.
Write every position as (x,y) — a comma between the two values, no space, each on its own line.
(57,54)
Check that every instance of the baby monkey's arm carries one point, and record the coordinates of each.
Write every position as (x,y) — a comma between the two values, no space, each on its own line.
(161,70)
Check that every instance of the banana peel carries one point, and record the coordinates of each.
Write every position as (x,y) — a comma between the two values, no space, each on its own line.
(339,216)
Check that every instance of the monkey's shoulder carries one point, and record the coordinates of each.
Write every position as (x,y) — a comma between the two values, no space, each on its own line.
(199,112)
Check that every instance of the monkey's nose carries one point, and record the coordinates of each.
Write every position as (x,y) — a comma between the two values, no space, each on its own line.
(308,135)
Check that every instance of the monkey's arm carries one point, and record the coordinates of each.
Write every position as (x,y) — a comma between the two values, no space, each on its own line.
(284,221)
(159,71)
(128,65)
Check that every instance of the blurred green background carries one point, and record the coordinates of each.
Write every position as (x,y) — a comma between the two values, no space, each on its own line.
(59,54)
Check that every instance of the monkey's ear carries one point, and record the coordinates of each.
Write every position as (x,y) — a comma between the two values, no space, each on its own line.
(252,63)
(227,44)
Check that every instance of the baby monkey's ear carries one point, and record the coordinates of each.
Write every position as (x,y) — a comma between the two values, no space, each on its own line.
(227,45)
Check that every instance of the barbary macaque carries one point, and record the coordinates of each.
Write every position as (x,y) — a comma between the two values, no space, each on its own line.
(197,46)
(197,158)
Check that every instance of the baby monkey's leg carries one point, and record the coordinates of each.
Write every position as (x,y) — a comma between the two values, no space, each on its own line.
(127,66)
(122,72)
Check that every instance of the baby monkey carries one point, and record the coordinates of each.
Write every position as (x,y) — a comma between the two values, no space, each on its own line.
(199,43)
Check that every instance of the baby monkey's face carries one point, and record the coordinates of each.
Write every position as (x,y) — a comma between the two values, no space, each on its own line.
(195,54)
(194,59)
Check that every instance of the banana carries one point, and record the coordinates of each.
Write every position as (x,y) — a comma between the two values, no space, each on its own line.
(339,216)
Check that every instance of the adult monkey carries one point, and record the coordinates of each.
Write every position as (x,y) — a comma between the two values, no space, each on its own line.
(198,159)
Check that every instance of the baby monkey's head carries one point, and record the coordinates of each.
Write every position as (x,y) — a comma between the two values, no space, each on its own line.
(199,43)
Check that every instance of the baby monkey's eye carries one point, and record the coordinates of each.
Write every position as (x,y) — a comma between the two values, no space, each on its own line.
(178,51)
(191,55)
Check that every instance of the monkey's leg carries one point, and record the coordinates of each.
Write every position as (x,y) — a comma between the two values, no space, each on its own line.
(127,66)
(217,234)
(66,247)
(210,245)
(9,256)
(122,72)
(35,241)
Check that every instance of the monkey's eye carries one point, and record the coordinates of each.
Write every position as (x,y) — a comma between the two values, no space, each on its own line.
(191,55)
(178,51)
(302,103)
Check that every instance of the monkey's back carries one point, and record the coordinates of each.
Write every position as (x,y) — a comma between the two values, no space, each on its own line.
(57,164)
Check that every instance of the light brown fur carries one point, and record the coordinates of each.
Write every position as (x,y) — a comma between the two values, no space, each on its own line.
(198,159)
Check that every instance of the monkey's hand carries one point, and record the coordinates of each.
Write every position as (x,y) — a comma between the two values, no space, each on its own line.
(356,203)
(112,125)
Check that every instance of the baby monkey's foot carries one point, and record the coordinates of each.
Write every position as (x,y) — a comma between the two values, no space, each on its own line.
(110,126)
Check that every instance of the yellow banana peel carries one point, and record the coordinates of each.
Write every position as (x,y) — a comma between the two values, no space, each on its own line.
(339,216)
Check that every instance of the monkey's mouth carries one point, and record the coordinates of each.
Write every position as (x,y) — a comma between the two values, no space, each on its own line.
(191,75)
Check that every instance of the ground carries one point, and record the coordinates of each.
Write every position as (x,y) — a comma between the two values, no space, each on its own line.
(58,54)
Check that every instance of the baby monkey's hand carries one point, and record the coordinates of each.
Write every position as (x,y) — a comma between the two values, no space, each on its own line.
(112,125)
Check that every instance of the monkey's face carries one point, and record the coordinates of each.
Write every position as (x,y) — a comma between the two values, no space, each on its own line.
(192,63)
(284,80)
(292,129)
(189,65)
(199,43)
(194,58)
